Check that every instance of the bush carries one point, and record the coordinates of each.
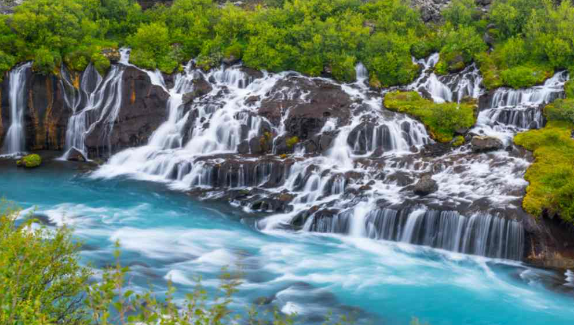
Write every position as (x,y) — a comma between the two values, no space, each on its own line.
(552,175)
(458,141)
(524,76)
(560,110)
(41,281)
(30,161)
(442,120)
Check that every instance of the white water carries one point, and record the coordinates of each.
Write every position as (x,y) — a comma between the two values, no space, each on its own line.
(216,124)
(96,102)
(14,142)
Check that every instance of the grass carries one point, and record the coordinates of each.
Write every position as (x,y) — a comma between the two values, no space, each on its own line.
(441,120)
(551,177)
(30,161)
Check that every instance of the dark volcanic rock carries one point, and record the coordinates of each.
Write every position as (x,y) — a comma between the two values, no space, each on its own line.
(142,111)
(309,103)
(484,144)
(76,155)
(200,88)
(425,186)
(45,114)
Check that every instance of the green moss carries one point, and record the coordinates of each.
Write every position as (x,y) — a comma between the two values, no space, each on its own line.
(30,161)
(291,142)
(440,119)
(551,177)
(458,141)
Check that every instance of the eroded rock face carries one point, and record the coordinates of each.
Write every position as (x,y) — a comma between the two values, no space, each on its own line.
(45,114)
(143,110)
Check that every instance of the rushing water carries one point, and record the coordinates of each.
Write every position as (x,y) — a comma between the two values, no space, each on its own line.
(168,235)
(15,137)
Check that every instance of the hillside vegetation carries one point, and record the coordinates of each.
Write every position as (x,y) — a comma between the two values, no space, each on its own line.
(530,38)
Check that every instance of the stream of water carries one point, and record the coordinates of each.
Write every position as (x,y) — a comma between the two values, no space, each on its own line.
(167,235)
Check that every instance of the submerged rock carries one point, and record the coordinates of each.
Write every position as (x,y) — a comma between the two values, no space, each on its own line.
(425,186)
(486,143)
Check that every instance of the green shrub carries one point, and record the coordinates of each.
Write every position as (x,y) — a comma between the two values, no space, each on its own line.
(551,177)
(442,120)
(41,281)
(560,110)
(524,76)
(30,161)
(569,89)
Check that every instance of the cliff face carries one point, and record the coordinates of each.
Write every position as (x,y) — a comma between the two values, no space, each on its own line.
(50,102)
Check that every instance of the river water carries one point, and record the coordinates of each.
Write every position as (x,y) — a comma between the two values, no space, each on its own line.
(168,235)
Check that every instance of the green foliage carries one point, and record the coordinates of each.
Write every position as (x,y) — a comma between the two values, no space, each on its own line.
(442,120)
(41,281)
(523,76)
(458,141)
(511,16)
(461,12)
(569,89)
(152,48)
(551,177)
(561,110)
(460,46)
(30,161)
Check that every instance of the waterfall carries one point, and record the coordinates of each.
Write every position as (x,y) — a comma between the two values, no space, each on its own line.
(97,102)
(481,234)
(448,88)
(14,142)
(513,110)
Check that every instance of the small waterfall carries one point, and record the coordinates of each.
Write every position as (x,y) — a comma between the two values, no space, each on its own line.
(448,88)
(480,234)
(512,110)
(97,102)
(14,142)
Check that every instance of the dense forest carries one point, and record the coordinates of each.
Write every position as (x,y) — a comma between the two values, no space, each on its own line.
(518,43)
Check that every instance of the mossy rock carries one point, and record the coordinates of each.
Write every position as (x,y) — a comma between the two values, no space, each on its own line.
(441,120)
(551,176)
(291,142)
(30,161)
(458,141)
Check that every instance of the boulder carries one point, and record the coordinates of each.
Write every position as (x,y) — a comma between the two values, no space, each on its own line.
(76,155)
(486,143)
(425,186)
(200,88)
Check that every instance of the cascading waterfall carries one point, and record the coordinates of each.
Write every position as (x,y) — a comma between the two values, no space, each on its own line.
(480,234)
(521,108)
(198,147)
(14,142)
(96,102)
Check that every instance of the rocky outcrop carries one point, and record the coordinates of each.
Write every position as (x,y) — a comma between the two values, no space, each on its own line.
(308,104)
(7,6)
(146,4)
(485,144)
(143,109)
(431,10)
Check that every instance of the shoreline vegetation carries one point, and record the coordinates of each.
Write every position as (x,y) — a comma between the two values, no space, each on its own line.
(517,43)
